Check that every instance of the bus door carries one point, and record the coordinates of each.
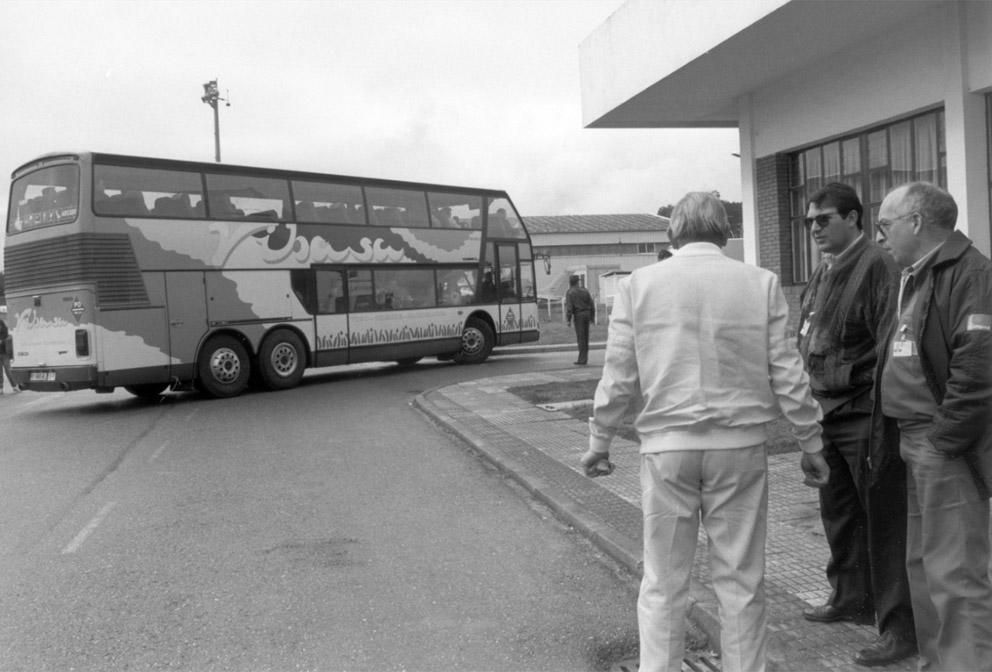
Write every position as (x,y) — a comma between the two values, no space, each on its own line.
(331,317)
(509,292)
(186,301)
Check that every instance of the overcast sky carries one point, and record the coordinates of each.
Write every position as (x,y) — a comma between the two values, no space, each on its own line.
(473,92)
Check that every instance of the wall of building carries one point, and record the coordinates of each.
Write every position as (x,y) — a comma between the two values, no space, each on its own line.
(941,58)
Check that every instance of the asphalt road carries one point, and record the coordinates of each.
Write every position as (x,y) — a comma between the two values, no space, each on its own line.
(330,527)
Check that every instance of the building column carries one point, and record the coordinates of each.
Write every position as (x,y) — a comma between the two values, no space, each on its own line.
(749,193)
(965,133)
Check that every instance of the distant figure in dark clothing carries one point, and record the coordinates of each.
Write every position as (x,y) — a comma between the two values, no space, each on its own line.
(579,308)
(5,356)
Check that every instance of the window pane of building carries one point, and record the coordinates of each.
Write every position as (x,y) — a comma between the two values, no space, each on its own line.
(831,162)
(851,157)
(901,152)
(814,170)
(878,166)
(927,157)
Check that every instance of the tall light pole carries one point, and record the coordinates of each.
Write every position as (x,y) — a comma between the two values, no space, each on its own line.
(211,96)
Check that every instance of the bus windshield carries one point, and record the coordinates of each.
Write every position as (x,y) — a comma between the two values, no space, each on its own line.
(46,196)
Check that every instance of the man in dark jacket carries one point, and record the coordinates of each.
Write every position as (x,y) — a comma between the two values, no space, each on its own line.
(935,378)
(579,308)
(845,309)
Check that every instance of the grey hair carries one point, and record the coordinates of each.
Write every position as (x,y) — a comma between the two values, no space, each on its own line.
(935,205)
(699,218)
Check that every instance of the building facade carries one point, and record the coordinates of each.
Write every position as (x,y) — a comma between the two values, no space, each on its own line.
(590,246)
(875,93)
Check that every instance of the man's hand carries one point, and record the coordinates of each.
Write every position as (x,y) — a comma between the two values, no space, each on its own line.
(596,464)
(815,469)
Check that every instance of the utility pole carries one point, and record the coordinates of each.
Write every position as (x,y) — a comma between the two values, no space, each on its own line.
(211,96)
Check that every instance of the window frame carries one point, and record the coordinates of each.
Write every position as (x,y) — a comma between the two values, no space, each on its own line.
(803,183)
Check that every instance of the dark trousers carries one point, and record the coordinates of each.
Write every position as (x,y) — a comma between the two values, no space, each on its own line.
(581,321)
(866,530)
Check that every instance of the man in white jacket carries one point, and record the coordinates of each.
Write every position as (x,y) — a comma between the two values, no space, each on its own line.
(701,339)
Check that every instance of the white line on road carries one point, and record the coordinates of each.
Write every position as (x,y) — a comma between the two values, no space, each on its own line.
(158,451)
(74,545)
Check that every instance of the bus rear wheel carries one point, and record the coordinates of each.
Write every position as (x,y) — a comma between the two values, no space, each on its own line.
(477,342)
(281,360)
(223,368)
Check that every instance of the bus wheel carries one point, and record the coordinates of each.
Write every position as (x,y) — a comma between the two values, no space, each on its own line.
(281,360)
(223,369)
(147,390)
(477,342)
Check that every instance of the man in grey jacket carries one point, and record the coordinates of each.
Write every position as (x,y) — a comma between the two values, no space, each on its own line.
(936,380)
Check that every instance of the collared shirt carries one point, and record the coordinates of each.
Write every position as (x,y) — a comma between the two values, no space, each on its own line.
(831,259)
(905,393)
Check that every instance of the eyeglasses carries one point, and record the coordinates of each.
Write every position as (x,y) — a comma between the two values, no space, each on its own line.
(822,220)
(886,224)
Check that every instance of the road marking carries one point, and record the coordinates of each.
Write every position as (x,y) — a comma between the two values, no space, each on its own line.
(158,451)
(74,545)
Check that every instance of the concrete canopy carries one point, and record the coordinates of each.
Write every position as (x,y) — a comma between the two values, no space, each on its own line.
(640,70)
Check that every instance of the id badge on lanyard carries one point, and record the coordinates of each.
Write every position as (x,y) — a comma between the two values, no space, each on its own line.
(904,345)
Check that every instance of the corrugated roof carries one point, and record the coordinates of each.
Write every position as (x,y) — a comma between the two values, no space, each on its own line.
(595,223)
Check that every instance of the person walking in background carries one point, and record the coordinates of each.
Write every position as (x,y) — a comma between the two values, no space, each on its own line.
(845,307)
(5,356)
(936,380)
(580,309)
(701,338)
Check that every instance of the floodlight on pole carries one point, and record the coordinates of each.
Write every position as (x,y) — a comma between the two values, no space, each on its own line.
(211,96)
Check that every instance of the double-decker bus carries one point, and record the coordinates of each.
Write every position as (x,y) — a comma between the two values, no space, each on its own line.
(151,274)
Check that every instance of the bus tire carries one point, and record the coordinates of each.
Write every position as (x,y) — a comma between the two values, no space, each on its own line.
(147,390)
(281,360)
(477,342)
(223,368)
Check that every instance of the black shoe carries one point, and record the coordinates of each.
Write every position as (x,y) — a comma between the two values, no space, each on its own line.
(579,363)
(827,614)
(888,648)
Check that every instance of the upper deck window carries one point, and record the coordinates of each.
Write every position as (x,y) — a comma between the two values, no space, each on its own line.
(46,196)
(397,207)
(243,197)
(503,220)
(455,211)
(129,191)
(328,203)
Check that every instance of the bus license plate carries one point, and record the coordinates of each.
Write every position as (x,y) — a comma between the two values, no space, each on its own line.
(42,376)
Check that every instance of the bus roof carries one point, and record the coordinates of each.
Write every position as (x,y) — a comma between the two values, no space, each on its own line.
(176,164)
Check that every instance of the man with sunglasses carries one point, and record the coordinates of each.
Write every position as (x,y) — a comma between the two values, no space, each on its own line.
(845,309)
(935,379)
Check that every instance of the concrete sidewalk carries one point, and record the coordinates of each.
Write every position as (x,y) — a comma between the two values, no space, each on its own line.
(541,448)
